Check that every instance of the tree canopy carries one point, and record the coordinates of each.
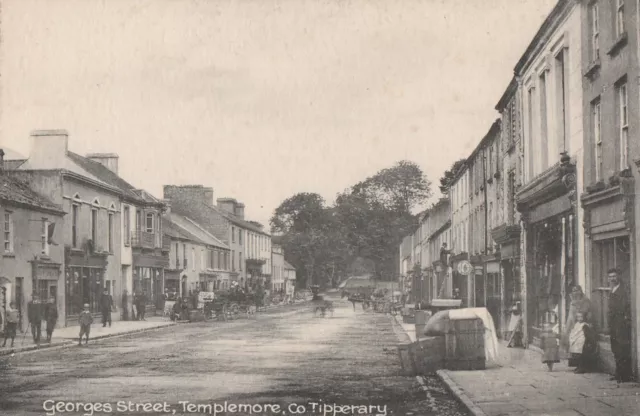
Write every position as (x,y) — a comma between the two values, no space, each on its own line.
(361,231)
(449,175)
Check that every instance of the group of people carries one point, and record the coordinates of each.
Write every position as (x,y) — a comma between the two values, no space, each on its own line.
(579,337)
(139,303)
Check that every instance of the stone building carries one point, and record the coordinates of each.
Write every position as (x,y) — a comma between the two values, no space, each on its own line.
(438,231)
(460,226)
(550,81)
(611,151)
(32,260)
(506,230)
(225,220)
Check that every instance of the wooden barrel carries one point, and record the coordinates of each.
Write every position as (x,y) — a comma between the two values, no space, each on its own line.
(465,345)
(430,354)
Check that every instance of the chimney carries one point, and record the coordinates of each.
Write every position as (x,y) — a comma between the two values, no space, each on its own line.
(239,211)
(1,160)
(188,194)
(48,149)
(227,204)
(167,206)
(108,160)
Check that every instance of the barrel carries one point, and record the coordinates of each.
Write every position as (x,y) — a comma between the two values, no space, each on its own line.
(421,323)
(465,345)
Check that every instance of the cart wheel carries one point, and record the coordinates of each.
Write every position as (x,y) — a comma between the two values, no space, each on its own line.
(234,310)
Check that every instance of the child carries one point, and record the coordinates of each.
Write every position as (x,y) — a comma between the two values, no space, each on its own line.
(12,324)
(550,345)
(582,346)
(85,324)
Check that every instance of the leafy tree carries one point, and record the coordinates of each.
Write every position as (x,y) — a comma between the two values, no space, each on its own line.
(449,175)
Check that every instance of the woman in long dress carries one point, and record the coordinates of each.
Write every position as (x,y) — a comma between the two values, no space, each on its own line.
(579,304)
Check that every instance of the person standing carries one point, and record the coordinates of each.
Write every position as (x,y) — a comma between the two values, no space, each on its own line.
(580,304)
(12,318)
(141,306)
(125,306)
(34,314)
(620,327)
(86,319)
(106,303)
(51,317)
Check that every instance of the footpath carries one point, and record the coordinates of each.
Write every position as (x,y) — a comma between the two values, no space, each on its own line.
(521,385)
(68,336)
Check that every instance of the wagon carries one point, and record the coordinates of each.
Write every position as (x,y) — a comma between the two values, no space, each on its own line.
(229,304)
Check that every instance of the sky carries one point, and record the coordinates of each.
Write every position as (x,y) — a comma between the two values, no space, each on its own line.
(261,99)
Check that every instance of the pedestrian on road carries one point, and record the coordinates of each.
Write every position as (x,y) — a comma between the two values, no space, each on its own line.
(34,314)
(12,318)
(620,327)
(86,319)
(352,299)
(51,317)
(142,304)
(125,307)
(136,301)
(106,303)
(550,344)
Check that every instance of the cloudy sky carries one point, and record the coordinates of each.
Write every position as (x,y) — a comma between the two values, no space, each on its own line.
(261,99)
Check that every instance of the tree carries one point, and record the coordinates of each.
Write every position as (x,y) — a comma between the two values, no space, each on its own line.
(449,175)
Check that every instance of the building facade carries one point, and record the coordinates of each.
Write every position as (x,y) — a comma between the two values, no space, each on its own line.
(32,260)
(506,230)
(225,220)
(290,278)
(198,261)
(277,265)
(460,226)
(438,232)
(550,73)
(611,148)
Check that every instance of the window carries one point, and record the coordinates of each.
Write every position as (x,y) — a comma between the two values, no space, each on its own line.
(233,234)
(94,226)
(110,232)
(544,139)
(127,226)
(138,220)
(528,150)
(619,18)
(177,256)
(233,261)
(609,253)
(184,255)
(239,236)
(193,259)
(74,225)
(597,138)
(240,261)
(202,260)
(595,33)
(561,102)
(44,237)
(149,222)
(623,122)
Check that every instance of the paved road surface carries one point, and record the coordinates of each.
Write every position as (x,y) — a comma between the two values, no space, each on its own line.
(283,357)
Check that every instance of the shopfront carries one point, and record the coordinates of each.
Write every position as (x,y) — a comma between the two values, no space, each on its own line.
(84,283)
(493,289)
(462,275)
(507,237)
(547,207)
(149,281)
(608,226)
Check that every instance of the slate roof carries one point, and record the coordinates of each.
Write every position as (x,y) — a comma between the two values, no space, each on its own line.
(104,174)
(16,191)
(183,227)
(13,164)
(193,210)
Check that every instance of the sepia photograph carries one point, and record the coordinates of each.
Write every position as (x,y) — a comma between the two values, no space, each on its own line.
(320,207)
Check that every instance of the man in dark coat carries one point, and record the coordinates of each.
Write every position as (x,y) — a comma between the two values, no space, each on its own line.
(620,327)
(106,303)
(35,315)
(51,317)
(141,306)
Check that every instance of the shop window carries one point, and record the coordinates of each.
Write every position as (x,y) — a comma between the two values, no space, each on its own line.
(607,254)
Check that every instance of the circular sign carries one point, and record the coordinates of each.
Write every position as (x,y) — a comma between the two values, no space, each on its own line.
(464,267)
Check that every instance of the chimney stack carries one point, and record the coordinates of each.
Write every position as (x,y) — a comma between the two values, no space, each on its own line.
(48,149)
(188,194)
(227,204)
(239,211)
(108,160)
(167,205)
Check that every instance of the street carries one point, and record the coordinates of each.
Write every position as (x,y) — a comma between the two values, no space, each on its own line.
(285,357)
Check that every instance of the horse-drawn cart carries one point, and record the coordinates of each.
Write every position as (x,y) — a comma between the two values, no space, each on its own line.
(226,305)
